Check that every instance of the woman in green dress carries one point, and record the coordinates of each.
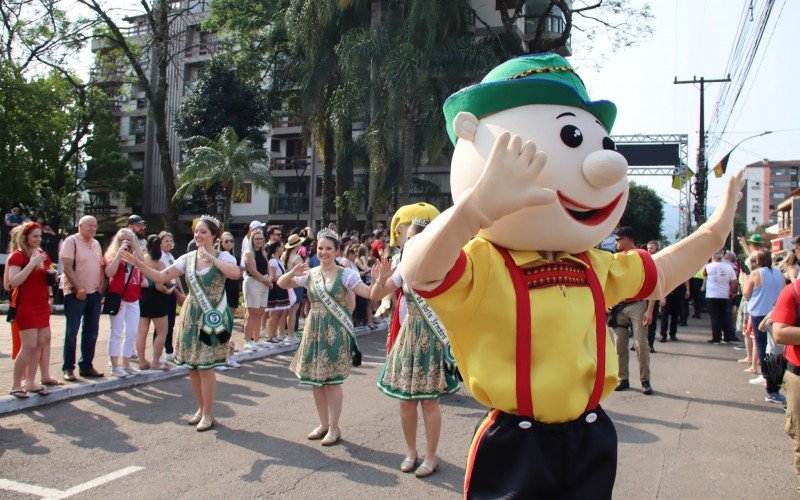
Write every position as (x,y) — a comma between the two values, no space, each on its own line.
(416,370)
(323,358)
(206,322)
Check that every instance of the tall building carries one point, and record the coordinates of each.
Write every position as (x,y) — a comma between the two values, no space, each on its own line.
(768,184)
(295,164)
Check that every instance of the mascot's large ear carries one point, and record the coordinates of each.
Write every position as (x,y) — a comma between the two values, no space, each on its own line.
(465,125)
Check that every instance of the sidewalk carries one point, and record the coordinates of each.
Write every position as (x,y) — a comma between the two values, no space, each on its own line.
(87,386)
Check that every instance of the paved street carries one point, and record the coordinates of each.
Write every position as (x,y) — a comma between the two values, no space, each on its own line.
(706,433)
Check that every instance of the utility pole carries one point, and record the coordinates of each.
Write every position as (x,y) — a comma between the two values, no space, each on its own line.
(701,180)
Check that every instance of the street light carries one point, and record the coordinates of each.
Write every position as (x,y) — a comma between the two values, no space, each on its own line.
(724,163)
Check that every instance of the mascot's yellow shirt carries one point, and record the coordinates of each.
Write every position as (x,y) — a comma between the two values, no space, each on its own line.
(476,303)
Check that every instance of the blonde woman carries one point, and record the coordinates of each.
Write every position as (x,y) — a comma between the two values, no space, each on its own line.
(125,280)
(257,283)
(206,321)
(27,272)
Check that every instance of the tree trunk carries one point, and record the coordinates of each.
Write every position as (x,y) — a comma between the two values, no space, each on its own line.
(372,175)
(159,114)
(227,192)
(407,146)
(327,176)
(345,217)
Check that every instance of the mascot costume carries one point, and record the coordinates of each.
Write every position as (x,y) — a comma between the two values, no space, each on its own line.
(512,272)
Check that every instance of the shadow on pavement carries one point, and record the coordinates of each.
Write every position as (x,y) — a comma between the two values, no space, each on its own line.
(729,404)
(392,461)
(282,452)
(19,440)
(87,430)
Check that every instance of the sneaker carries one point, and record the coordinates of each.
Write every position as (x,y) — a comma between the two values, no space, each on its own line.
(291,341)
(232,363)
(135,357)
(739,348)
(646,388)
(250,346)
(281,338)
(712,341)
(274,341)
(262,343)
(775,397)
(222,368)
(162,360)
(169,357)
(119,372)
(132,371)
(622,385)
(760,380)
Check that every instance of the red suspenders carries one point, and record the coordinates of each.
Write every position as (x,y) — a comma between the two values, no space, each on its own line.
(557,274)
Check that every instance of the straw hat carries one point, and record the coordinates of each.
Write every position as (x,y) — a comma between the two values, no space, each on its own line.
(293,241)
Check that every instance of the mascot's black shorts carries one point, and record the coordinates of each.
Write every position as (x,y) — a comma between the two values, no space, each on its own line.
(518,457)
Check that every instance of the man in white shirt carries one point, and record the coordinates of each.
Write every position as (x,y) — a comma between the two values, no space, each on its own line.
(720,287)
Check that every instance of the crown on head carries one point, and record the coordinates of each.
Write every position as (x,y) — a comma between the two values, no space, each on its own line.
(327,233)
(420,222)
(213,220)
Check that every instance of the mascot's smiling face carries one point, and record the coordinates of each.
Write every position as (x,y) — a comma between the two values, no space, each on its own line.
(582,168)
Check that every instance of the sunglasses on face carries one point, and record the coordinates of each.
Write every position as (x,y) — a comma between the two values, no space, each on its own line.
(227,241)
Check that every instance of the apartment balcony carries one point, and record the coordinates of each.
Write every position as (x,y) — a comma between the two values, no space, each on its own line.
(100,211)
(292,164)
(279,122)
(202,50)
(288,203)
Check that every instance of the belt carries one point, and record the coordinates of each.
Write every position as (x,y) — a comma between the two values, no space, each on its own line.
(793,368)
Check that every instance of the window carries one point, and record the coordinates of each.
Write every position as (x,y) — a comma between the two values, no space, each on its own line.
(318,191)
(246,196)
(275,146)
(755,208)
(138,125)
(294,147)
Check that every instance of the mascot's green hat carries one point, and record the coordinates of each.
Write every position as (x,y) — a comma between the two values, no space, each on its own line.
(545,78)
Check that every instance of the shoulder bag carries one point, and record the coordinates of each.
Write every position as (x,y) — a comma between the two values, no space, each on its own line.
(113,301)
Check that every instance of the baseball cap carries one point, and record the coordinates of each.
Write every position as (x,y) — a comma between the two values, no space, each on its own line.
(256,224)
(135,219)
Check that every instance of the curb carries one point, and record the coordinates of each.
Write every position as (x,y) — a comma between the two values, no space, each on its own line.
(71,390)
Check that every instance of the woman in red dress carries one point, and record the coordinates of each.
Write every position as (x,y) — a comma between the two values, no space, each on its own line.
(27,272)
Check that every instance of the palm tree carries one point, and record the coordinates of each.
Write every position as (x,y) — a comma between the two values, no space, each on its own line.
(227,163)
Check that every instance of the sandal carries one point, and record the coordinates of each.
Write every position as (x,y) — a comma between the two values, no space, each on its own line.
(426,469)
(20,394)
(332,437)
(144,365)
(41,391)
(408,464)
(52,382)
(164,367)
(317,433)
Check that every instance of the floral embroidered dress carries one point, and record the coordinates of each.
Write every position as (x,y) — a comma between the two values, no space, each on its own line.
(190,349)
(415,367)
(323,357)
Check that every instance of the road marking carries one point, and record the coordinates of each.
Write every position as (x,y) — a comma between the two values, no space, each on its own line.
(52,493)
(363,363)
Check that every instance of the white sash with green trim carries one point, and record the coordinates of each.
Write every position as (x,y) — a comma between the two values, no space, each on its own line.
(213,317)
(331,305)
(434,324)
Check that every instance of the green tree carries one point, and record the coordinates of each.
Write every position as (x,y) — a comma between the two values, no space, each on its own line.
(46,120)
(228,164)
(644,208)
(225,96)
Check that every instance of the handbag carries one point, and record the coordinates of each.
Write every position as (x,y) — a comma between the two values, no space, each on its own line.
(113,301)
(11,315)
